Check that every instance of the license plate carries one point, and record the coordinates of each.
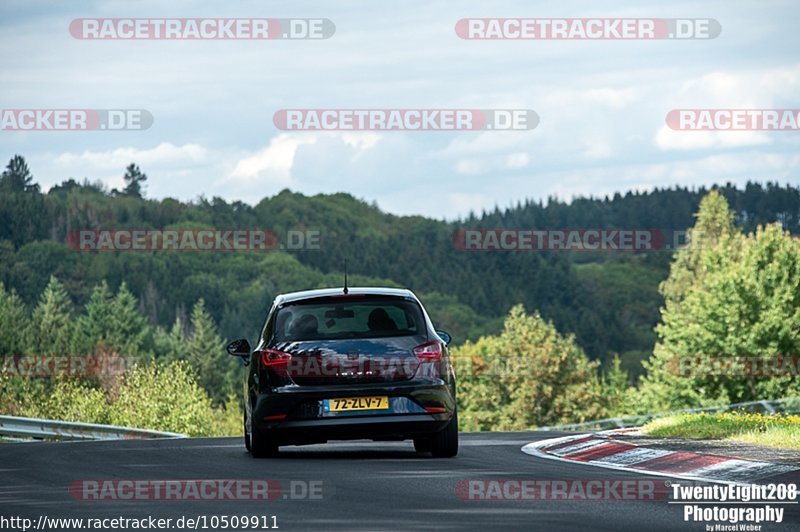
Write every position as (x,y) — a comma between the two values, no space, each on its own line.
(342,404)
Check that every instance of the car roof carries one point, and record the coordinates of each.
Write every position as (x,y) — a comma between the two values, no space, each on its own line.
(354,291)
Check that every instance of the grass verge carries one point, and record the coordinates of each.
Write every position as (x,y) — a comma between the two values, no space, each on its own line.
(773,430)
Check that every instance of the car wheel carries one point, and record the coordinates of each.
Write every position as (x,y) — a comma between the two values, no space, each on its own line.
(260,444)
(444,444)
(246,434)
(422,445)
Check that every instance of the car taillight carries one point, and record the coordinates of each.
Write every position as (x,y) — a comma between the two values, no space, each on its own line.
(274,359)
(429,351)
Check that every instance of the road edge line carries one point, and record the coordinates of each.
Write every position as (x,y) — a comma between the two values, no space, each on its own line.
(534,449)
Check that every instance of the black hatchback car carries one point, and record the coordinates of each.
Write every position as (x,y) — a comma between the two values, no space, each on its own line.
(339,364)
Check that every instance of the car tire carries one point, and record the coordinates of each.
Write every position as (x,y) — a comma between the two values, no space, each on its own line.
(246,434)
(422,445)
(260,444)
(444,444)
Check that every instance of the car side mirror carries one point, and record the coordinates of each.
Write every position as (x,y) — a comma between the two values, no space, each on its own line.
(445,337)
(239,348)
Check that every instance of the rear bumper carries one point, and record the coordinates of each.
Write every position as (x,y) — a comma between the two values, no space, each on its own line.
(390,427)
(417,408)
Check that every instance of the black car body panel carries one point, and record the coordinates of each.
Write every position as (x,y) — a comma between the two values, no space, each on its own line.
(371,346)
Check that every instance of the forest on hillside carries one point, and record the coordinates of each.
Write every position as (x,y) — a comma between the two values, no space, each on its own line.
(609,301)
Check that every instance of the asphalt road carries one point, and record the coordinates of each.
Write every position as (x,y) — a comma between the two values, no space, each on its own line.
(364,485)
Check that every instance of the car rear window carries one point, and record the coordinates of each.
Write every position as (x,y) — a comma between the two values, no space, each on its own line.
(348,318)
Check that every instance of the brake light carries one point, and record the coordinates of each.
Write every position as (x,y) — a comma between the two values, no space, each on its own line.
(272,358)
(429,351)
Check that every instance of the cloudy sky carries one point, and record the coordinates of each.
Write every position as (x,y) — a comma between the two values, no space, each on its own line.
(602,104)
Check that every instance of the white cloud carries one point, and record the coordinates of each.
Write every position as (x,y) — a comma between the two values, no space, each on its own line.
(744,89)
(463,202)
(762,88)
(598,148)
(165,164)
(495,163)
(670,139)
(736,167)
(274,162)
(602,104)
(605,97)
(517,160)
(361,141)
(487,143)
(469,167)
(165,153)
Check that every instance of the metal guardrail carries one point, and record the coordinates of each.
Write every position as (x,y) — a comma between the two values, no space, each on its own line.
(789,405)
(25,427)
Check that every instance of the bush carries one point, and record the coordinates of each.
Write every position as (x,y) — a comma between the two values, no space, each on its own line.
(71,400)
(529,375)
(228,420)
(163,398)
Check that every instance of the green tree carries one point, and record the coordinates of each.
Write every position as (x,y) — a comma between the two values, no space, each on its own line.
(52,327)
(96,324)
(112,323)
(205,353)
(171,345)
(712,240)
(529,375)
(12,321)
(617,391)
(129,328)
(714,225)
(17,177)
(741,299)
(133,181)
(12,342)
